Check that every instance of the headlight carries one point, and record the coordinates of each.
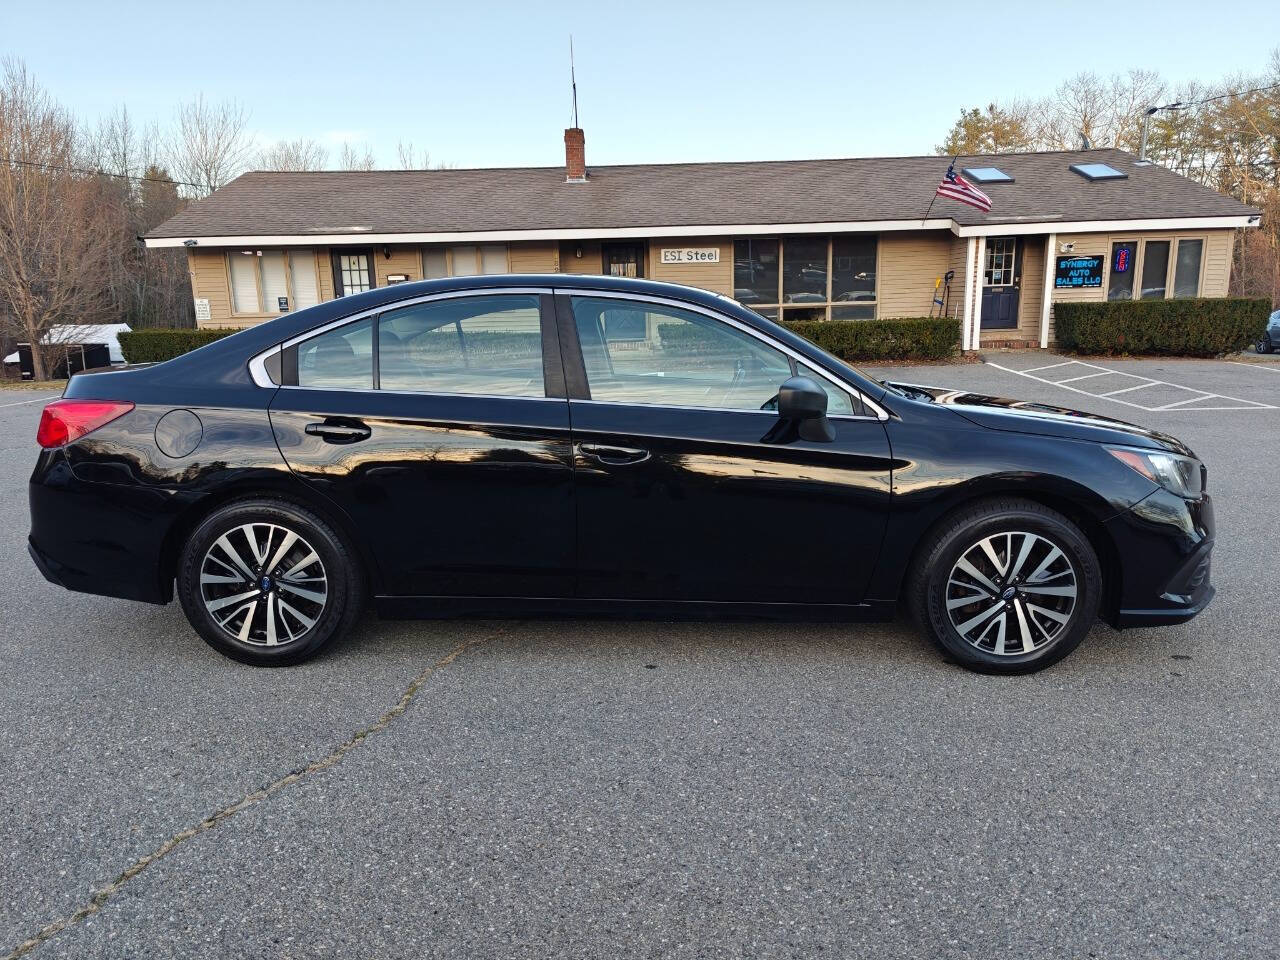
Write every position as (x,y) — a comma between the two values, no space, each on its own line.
(1181,475)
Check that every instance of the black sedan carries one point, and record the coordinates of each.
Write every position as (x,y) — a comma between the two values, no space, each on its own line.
(555,444)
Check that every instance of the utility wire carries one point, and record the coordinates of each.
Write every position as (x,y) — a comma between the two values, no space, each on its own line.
(1179,105)
(101,173)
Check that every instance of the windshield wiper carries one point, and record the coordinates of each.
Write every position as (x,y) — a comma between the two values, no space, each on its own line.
(904,390)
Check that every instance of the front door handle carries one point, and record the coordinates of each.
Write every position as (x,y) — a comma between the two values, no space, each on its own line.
(332,431)
(617,456)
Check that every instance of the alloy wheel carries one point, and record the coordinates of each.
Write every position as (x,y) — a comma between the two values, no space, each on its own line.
(263,584)
(1011,593)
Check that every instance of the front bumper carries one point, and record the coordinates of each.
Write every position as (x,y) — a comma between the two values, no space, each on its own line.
(1164,546)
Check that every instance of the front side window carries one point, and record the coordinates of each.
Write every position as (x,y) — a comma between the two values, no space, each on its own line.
(489,345)
(339,359)
(807,278)
(685,359)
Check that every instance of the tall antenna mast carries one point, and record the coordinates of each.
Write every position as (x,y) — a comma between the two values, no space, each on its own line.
(573,80)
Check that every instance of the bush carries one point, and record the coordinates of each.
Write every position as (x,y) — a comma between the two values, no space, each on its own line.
(909,338)
(156,344)
(1183,328)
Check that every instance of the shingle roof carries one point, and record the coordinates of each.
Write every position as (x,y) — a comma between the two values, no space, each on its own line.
(686,194)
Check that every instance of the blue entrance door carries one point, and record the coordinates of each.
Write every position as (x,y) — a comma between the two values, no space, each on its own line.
(1001,283)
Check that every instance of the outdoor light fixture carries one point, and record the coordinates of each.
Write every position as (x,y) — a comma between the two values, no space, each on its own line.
(189,243)
(386,251)
(578,252)
(1066,247)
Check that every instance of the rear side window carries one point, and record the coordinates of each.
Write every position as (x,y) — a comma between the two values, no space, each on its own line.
(341,359)
(486,345)
(472,345)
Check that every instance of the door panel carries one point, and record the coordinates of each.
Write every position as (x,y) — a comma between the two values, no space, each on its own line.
(458,496)
(680,495)
(714,513)
(430,425)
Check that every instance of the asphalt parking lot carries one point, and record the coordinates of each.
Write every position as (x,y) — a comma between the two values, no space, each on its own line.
(607,789)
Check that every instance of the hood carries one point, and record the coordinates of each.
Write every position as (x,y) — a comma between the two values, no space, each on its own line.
(1023,416)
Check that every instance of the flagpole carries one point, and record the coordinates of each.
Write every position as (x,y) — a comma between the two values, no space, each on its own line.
(929,208)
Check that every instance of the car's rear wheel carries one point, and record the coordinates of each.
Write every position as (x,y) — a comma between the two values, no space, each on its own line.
(268,583)
(1007,586)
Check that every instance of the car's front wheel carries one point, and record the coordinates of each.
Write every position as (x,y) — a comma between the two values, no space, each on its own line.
(1263,345)
(1007,586)
(268,583)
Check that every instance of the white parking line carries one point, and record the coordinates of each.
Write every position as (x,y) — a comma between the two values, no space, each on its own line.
(18,403)
(1257,366)
(1146,382)
(1049,367)
(1141,386)
(1087,376)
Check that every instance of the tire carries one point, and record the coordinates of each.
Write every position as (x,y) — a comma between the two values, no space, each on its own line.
(1021,617)
(1263,345)
(276,600)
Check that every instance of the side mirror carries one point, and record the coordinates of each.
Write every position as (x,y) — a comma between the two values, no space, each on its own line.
(802,403)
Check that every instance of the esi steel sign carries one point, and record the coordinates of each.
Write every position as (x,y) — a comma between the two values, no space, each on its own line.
(690,255)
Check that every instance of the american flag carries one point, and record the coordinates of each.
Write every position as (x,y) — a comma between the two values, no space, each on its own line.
(958,188)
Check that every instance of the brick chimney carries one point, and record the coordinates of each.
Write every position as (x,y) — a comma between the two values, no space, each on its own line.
(575,156)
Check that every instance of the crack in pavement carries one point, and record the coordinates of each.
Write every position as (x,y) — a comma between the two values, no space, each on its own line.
(101,897)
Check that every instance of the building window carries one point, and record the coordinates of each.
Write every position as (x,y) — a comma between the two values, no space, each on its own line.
(352,272)
(1001,252)
(1124,262)
(272,281)
(1186,274)
(1165,271)
(1155,269)
(464,260)
(807,278)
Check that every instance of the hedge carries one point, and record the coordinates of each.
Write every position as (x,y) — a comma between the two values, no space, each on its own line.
(156,344)
(908,338)
(1184,328)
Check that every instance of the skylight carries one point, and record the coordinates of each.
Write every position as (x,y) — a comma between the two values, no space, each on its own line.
(1098,171)
(987,175)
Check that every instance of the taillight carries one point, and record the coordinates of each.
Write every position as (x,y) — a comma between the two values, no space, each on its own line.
(65,421)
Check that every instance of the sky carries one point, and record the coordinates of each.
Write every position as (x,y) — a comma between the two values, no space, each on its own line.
(483,84)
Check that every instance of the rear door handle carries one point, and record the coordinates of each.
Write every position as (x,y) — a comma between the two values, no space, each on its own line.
(605,453)
(336,432)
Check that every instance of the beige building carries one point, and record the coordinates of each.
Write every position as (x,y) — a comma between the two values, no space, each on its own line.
(844,240)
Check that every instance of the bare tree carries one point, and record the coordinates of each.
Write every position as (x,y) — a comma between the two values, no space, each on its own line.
(210,144)
(57,227)
(300,154)
(357,158)
(1105,110)
(409,158)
